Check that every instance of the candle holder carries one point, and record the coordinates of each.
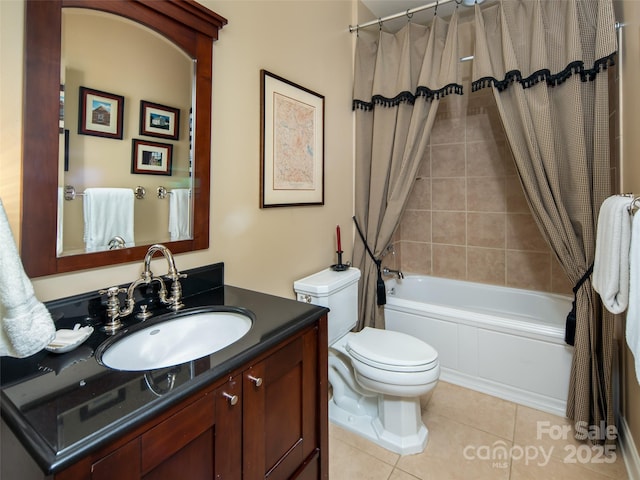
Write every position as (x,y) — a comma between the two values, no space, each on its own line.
(339,267)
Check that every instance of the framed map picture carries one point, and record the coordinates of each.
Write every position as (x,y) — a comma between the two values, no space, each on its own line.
(292,144)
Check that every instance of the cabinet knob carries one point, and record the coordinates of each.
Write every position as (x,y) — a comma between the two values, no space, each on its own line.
(256,380)
(232,399)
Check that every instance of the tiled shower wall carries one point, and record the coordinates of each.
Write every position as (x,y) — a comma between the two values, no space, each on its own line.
(467,217)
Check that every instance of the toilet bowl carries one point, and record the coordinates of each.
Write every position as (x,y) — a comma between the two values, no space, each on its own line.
(377,376)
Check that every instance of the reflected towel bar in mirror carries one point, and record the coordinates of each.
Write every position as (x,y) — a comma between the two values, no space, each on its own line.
(163,192)
(71,194)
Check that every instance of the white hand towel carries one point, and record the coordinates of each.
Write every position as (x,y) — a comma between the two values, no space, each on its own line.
(26,324)
(633,313)
(108,212)
(611,264)
(179,220)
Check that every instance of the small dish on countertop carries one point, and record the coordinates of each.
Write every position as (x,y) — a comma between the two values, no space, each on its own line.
(66,339)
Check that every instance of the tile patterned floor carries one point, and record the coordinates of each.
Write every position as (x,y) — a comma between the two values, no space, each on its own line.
(467,431)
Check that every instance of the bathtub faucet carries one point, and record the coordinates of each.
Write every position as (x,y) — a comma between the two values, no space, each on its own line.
(388,271)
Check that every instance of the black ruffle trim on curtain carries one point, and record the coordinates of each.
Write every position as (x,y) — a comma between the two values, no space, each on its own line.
(545,75)
(407,97)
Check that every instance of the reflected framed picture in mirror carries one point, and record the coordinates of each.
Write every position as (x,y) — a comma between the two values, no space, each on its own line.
(159,120)
(152,158)
(100,114)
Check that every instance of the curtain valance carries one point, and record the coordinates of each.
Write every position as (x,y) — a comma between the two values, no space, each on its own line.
(418,61)
(532,41)
(516,41)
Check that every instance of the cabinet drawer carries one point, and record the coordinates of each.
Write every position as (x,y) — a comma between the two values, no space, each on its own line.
(174,433)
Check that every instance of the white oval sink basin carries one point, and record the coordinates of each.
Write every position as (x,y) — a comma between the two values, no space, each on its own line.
(180,339)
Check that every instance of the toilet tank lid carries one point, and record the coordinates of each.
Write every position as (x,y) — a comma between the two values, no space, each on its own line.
(326,281)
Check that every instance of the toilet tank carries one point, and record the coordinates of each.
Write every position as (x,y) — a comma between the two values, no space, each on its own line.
(337,291)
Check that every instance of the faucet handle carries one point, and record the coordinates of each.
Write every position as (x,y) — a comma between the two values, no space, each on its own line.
(175,276)
(113,308)
(112,292)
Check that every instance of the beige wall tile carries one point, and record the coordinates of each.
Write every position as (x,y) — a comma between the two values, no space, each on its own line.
(479,205)
(486,194)
(448,194)
(486,230)
(416,257)
(420,196)
(486,265)
(448,160)
(450,261)
(449,228)
(416,225)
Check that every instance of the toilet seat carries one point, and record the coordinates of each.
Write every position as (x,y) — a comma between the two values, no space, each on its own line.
(391,351)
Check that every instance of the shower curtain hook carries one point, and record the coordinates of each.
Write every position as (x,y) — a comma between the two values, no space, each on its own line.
(435,12)
(458,3)
(380,23)
(409,15)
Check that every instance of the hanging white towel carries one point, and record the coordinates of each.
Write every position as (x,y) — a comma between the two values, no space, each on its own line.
(611,264)
(633,313)
(108,212)
(179,219)
(26,324)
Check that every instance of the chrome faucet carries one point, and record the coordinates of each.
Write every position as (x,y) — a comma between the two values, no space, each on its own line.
(174,302)
(388,271)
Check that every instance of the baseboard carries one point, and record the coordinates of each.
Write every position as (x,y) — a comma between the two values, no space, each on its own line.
(506,392)
(629,450)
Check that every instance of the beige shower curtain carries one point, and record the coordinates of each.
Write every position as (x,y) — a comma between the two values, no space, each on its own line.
(544,61)
(399,79)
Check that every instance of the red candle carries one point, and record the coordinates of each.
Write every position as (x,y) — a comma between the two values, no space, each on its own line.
(338,236)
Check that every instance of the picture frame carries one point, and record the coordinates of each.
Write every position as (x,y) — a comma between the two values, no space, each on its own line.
(152,158)
(291,143)
(158,120)
(101,113)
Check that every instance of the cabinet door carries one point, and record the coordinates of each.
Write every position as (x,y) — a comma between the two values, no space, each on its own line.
(123,464)
(228,430)
(182,445)
(280,429)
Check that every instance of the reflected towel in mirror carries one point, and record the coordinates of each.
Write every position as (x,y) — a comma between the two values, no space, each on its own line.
(108,212)
(179,221)
(26,324)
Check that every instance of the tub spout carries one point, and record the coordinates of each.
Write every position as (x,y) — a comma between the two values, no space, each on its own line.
(388,271)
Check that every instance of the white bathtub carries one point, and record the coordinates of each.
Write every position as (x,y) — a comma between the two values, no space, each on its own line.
(502,341)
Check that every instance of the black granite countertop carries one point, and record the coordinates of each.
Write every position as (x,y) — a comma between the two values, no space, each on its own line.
(63,406)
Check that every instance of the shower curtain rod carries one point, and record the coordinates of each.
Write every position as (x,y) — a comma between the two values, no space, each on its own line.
(408,13)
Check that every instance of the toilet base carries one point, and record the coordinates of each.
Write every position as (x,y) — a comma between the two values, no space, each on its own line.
(371,428)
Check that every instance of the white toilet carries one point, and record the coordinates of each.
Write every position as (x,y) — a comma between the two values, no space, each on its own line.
(377,376)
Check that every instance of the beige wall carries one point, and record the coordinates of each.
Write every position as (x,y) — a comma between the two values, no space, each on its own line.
(305,42)
(628,13)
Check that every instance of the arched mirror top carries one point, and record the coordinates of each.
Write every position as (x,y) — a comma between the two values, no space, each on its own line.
(185,23)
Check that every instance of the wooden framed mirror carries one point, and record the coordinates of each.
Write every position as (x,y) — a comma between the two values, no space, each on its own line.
(185,23)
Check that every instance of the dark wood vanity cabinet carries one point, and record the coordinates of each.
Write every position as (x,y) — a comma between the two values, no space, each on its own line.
(266,420)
